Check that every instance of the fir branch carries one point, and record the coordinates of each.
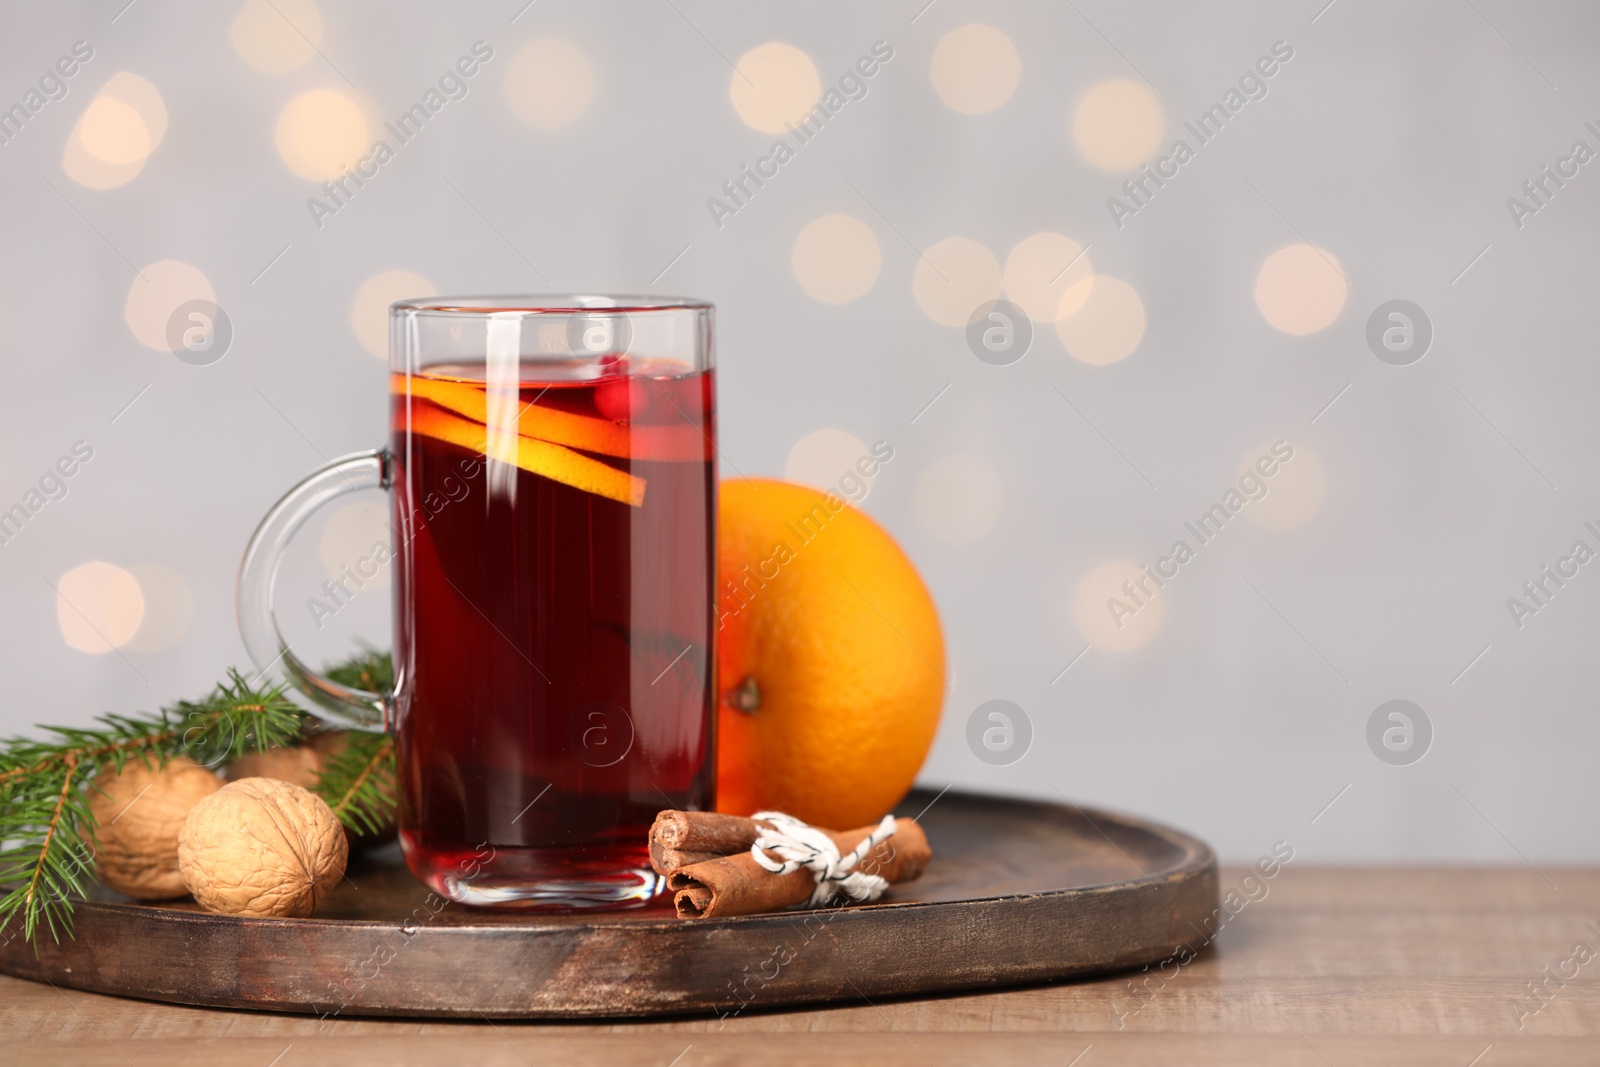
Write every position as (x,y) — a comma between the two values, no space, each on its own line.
(19,749)
(47,829)
(359,782)
(371,670)
(237,718)
(55,823)
(53,833)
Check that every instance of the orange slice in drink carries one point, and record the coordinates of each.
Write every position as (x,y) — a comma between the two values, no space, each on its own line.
(537,457)
(608,438)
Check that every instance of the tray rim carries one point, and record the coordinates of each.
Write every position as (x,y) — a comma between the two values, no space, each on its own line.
(1194,862)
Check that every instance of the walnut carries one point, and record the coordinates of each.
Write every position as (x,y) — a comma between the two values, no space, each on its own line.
(261,847)
(302,766)
(138,814)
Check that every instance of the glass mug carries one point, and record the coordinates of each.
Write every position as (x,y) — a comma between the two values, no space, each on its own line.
(553,476)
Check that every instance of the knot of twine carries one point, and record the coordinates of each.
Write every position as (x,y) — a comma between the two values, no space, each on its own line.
(791,845)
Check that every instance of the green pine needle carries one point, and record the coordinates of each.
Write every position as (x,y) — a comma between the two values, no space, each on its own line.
(358,783)
(47,831)
(372,671)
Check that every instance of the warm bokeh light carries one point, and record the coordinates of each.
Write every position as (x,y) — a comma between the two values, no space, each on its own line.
(953,278)
(277,36)
(1294,493)
(773,85)
(118,130)
(112,131)
(322,133)
(1301,289)
(549,83)
(836,258)
(168,607)
(156,292)
(975,68)
(1106,322)
(1118,124)
(351,542)
(959,499)
(99,606)
(823,457)
(1038,275)
(1114,611)
(93,173)
(369,313)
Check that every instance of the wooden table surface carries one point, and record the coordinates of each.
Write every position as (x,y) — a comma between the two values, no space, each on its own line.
(1333,966)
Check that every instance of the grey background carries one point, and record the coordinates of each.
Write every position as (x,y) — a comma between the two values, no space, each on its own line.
(1393,139)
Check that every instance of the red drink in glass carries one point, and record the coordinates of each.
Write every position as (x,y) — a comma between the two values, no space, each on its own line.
(554,689)
(554,484)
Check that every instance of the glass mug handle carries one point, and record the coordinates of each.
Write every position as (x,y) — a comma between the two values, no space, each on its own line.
(258,624)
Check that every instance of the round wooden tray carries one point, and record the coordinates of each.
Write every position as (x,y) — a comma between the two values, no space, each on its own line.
(1017,892)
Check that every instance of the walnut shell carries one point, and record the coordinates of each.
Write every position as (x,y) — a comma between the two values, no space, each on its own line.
(260,847)
(138,815)
(302,766)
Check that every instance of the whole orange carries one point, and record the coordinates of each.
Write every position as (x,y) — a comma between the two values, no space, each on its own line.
(831,660)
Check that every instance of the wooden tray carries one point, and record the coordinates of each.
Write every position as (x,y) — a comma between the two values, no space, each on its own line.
(1017,892)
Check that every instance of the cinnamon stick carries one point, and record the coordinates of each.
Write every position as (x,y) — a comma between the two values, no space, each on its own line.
(681,838)
(704,831)
(737,885)
(667,860)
